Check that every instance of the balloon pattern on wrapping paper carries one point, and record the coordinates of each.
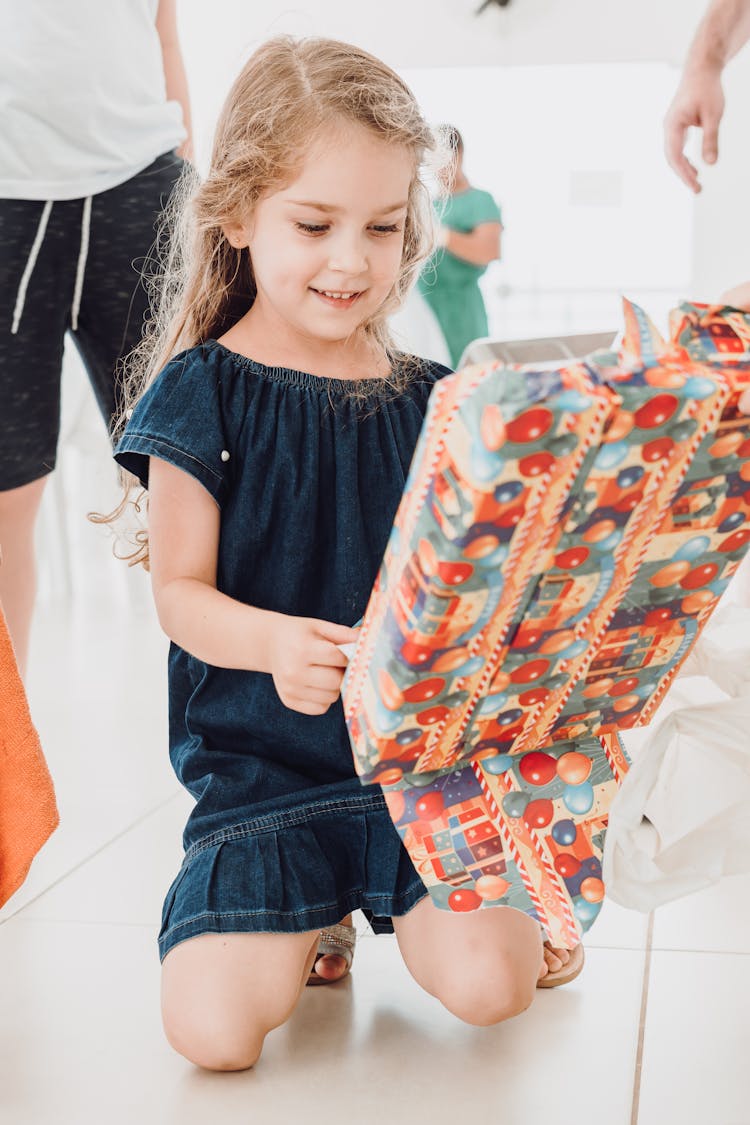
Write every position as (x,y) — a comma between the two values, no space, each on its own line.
(558,791)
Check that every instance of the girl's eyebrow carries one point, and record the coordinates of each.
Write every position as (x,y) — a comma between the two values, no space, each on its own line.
(329,208)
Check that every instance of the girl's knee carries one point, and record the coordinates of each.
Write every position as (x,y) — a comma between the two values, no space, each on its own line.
(487,998)
(215,1042)
(222,994)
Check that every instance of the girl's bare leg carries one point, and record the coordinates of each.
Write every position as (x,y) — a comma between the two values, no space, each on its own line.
(223,993)
(482,966)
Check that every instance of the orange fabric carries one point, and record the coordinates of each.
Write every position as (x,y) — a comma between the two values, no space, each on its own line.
(28,810)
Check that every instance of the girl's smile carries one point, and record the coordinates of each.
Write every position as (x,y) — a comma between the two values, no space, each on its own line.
(337,300)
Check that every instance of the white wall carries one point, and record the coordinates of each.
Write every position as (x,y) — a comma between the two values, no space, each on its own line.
(591,211)
(217,37)
(446,32)
(721,249)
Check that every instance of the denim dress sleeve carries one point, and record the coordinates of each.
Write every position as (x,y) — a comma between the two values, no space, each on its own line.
(181,419)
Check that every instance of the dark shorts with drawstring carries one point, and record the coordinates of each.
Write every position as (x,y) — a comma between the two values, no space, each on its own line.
(113,304)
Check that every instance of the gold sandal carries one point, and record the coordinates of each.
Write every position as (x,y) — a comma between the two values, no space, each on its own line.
(336,941)
(567,973)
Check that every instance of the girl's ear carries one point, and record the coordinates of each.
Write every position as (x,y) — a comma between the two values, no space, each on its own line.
(236,234)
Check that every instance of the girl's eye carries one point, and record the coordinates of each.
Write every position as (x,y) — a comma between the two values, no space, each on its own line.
(321,228)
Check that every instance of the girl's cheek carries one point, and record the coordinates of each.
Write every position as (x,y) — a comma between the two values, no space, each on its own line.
(395,264)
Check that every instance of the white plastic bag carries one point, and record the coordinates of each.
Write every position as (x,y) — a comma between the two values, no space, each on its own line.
(682,817)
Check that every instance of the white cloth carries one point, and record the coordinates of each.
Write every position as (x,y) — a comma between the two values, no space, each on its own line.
(83,101)
(680,820)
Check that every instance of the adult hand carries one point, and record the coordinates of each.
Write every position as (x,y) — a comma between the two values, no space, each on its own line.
(699,102)
(306,664)
(738,297)
(187,150)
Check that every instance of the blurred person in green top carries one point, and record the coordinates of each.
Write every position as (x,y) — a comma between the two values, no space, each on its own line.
(468,240)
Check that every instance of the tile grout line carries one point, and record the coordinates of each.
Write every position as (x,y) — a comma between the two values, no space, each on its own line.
(709,952)
(642,1023)
(87,859)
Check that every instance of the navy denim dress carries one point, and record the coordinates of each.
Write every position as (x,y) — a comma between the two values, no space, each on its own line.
(283,837)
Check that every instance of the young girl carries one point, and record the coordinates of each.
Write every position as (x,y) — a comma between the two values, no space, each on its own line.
(275,445)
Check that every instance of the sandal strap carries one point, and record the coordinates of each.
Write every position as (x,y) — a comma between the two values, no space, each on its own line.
(338,940)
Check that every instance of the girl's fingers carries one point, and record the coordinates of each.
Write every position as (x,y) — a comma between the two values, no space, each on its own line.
(324,654)
(312,703)
(305,708)
(336,634)
(321,698)
(324,679)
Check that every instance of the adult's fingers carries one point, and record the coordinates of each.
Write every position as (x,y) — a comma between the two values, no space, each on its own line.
(710,146)
(675,136)
(687,172)
(738,297)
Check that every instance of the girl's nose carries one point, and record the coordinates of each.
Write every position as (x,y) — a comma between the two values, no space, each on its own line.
(347,256)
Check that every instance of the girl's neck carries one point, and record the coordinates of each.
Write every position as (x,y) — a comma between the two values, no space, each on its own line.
(358,357)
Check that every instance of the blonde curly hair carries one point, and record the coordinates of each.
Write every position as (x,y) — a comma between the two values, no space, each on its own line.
(289,92)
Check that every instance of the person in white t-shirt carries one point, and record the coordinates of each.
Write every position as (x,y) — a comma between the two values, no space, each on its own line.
(95,125)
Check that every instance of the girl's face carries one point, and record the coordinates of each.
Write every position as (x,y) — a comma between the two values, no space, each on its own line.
(326,249)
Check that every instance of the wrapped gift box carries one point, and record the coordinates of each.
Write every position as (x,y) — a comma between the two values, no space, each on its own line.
(562,538)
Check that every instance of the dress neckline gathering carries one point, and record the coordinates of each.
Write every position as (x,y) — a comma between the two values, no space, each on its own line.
(305,379)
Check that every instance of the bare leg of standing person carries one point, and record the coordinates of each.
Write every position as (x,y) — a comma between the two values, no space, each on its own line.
(18,511)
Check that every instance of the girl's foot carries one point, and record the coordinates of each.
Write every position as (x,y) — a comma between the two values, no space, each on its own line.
(335,953)
(559,966)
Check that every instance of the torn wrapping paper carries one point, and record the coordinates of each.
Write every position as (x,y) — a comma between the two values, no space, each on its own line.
(563,537)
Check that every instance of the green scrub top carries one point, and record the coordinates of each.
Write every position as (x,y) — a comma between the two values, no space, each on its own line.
(449,284)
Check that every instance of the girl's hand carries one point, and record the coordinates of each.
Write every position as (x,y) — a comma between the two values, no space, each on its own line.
(306,664)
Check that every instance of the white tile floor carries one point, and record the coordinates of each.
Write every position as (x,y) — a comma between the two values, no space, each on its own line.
(81,1037)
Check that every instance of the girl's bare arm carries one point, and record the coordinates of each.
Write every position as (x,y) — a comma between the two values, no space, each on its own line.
(183,549)
(301,653)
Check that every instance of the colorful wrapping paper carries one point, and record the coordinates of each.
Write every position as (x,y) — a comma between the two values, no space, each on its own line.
(562,538)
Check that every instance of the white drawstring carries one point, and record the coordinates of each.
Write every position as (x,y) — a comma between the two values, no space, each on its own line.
(34,254)
(82,255)
(31,262)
